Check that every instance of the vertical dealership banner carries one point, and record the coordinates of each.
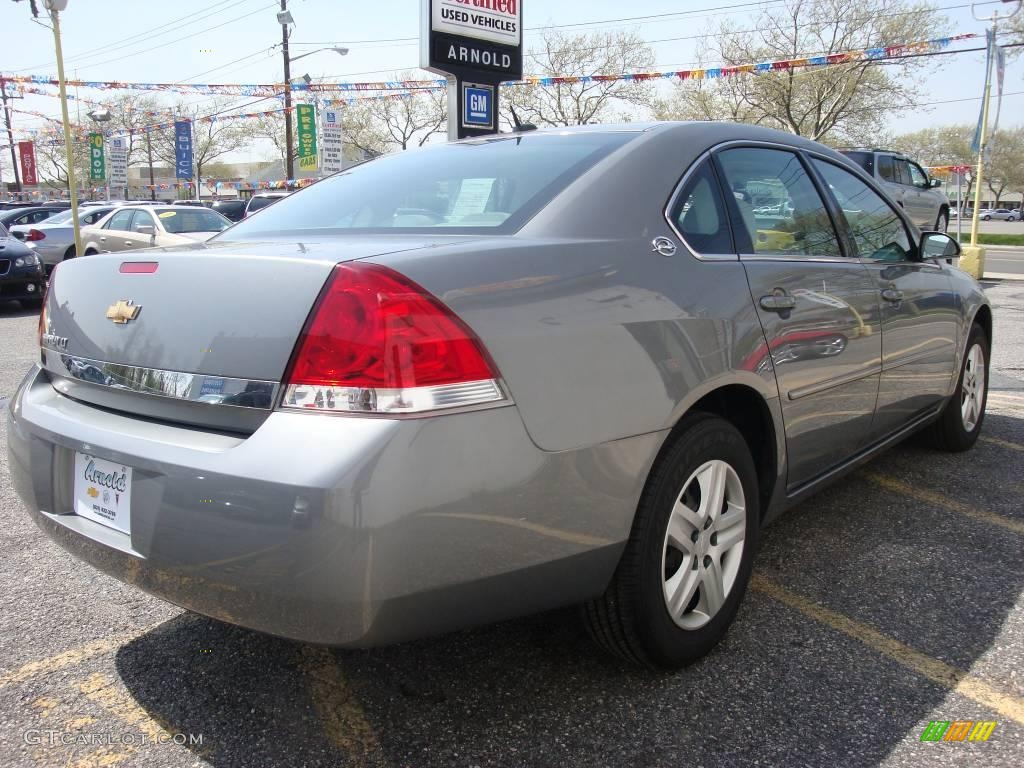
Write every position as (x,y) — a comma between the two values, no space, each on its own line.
(183,149)
(477,44)
(305,116)
(119,162)
(97,162)
(331,142)
(27,154)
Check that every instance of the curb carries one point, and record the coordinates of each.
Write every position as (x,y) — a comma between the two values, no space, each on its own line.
(1002,276)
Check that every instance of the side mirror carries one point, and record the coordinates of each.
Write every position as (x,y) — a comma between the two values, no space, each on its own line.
(936,246)
(146,229)
(935,183)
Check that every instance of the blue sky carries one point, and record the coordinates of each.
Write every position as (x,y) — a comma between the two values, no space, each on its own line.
(230,41)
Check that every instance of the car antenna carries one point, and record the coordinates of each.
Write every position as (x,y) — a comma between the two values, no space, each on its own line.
(521,127)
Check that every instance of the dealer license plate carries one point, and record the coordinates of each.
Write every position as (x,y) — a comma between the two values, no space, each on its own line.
(103,491)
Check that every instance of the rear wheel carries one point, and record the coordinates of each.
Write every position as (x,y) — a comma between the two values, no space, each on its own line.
(70,253)
(960,423)
(942,223)
(986,218)
(689,555)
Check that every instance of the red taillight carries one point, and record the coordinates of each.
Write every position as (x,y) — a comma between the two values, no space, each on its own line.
(376,341)
(34,235)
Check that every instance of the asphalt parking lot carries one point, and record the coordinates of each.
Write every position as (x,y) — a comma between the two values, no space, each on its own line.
(891,600)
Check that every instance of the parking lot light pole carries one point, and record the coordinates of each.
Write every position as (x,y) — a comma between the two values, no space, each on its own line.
(55,7)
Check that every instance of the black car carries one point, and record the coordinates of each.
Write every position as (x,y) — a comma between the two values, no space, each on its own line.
(230,209)
(30,215)
(21,272)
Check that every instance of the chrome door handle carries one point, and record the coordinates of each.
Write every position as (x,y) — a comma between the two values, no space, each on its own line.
(127,242)
(891,294)
(777,303)
(103,239)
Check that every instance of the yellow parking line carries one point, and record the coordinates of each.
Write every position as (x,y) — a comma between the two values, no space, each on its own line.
(1002,443)
(949,677)
(67,658)
(106,692)
(937,499)
(345,723)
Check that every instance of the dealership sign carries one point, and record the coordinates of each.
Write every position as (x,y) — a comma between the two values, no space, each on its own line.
(305,115)
(183,149)
(477,44)
(119,162)
(97,162)
(27,153)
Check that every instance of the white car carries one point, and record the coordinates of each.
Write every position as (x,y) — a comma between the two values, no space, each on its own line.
(146,226)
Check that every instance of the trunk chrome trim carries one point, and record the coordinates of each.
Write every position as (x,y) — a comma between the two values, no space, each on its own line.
(254,394)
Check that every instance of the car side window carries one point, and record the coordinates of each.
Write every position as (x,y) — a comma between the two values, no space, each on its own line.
(700,216)
(780,210)
(142,218)
(876,228)
(917,176)
(886,171)
(903,172)
(121,220)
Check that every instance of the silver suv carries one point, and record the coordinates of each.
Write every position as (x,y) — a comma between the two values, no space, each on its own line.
(908,184)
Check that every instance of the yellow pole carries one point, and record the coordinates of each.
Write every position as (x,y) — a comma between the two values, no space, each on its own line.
(72,184)
(981,165)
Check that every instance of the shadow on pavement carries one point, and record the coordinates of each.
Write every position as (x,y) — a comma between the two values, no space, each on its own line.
(781,689)
(16,309)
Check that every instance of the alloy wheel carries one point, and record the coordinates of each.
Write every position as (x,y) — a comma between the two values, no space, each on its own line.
(972,387)
(703,544)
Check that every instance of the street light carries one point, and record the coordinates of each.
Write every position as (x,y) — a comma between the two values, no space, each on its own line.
(285,19)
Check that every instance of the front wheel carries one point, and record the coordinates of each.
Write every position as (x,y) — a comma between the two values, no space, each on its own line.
(688,559)
(986,218)
(942,223)
(960,423)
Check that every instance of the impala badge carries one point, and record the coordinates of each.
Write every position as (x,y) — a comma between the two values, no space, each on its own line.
(123,312)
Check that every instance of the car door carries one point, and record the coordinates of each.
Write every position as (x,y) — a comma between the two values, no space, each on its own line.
(818,307)
(920,310)
(116,231)
(138,238)
(926,203)
(911,195)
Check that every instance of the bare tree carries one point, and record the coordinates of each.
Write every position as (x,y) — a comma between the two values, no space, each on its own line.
(400,122)
(841,100)
(210,139)
(579,103)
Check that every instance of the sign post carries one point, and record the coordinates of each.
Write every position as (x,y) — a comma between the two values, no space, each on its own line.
(476,44)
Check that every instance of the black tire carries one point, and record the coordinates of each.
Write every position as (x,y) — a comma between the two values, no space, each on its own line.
(942,223)
(35,304)
(632,620)
(69,253)
(986,218)
(950,433)
(90,252)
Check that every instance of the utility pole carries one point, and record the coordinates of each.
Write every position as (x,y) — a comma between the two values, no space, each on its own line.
(10,134)
(149,155)
(288,164)
(973,257)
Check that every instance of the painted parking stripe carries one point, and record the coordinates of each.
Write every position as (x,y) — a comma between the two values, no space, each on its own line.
(936,499)
(344,721)
(69,658)
(939,672)
(1002,443)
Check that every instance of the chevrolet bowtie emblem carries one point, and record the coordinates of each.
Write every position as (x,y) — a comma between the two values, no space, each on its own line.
(124,311)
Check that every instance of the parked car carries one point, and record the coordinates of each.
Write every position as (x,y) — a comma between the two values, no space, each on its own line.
(230,209)
(54,238)
(21,272)
(999,214)
(476,380)
(132,227)
(30,215)
(262,200)
(908,184)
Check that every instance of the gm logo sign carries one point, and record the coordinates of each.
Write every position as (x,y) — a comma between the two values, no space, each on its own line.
(477,106)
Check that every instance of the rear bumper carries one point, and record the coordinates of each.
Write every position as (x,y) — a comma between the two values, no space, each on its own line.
(337,530)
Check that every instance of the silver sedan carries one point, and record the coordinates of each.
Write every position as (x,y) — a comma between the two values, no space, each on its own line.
(497,376)
(54,238)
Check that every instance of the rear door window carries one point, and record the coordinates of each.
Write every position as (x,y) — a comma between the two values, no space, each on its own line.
(886,170)
(780,210)
(121,220)
(699,214)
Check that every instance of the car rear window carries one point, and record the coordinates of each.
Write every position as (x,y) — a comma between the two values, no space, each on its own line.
(493,184)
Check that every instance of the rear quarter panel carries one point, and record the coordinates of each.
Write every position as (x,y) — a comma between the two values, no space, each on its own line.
(597,337)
